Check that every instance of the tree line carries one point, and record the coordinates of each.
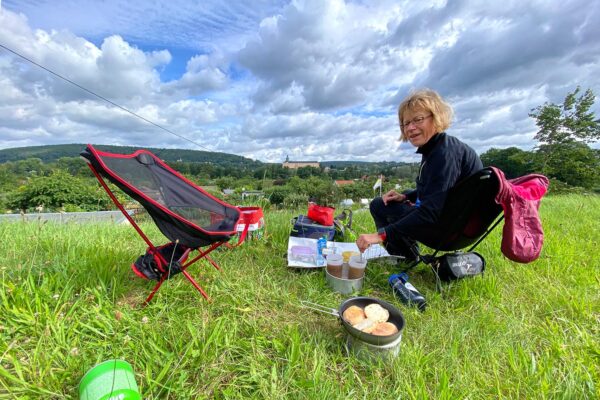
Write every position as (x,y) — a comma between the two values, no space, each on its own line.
(563,153)
(67,184)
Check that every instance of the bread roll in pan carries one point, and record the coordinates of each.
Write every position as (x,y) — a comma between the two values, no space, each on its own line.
(396,318)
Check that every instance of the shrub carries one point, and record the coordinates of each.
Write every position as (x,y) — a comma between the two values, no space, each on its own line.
(295,200)
(278,195)
(56,191)
(559,187)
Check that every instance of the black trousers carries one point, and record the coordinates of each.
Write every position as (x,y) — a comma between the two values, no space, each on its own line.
(385,215)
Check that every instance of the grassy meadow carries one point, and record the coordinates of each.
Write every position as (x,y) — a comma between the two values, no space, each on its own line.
(68,300)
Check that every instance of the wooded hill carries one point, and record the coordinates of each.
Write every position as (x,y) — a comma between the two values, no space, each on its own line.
(51,153)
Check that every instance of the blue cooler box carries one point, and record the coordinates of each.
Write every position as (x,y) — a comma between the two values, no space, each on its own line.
(307,228)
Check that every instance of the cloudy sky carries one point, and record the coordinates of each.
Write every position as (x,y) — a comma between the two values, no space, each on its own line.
(312,79)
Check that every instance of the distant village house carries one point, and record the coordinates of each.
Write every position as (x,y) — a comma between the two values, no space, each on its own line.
(299,164)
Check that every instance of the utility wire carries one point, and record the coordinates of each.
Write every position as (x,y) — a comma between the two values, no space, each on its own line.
(104,98)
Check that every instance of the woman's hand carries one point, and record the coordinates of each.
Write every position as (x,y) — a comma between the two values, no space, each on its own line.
(365,240)
(392,195)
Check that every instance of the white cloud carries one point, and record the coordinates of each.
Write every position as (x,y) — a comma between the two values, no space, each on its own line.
(333,52)
(310,79)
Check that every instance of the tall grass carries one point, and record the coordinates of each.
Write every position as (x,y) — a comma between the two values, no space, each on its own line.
(68,300)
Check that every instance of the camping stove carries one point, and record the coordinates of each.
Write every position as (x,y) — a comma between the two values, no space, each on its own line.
(367,351)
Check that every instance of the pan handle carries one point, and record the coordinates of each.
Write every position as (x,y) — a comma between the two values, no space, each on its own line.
(319,308)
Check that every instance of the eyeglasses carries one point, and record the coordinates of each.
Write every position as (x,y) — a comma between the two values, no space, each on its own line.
(416,120)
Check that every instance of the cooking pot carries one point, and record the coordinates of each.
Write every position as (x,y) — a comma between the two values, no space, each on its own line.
(396,318)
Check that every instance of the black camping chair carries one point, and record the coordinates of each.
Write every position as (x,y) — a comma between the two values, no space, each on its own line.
(469,215)
(187,215)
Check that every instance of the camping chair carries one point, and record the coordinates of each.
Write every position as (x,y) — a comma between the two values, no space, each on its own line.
(189,217)
(470,213)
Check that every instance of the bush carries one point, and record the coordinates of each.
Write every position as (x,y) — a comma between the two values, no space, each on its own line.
(72,208)
(278,195)
(56,191)
(295,200)
(559,187)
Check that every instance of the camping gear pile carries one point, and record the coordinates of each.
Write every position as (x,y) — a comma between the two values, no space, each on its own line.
(303,226)
(334,246)
(319,221)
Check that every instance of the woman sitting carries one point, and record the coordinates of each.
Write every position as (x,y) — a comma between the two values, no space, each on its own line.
(402,219)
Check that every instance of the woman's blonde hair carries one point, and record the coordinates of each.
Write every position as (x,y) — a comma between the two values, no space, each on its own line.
(429,101)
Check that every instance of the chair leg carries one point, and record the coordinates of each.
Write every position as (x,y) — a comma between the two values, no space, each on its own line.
(414,264)
(156,287)
(187,275)
(203,254)
(195,284)
(214,264)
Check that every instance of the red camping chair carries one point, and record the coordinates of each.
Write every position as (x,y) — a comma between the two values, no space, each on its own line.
(186,214)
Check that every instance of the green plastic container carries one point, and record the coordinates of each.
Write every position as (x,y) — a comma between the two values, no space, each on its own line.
(109,380)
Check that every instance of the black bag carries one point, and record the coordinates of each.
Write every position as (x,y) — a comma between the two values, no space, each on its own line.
(458,265)
(150,266)
(307,228)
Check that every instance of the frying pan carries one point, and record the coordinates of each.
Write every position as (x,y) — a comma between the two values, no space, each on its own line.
(396,318)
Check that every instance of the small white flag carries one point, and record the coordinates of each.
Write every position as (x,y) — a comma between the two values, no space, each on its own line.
(377,184)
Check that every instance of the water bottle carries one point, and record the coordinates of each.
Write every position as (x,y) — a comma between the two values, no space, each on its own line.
(406,292)
(321,244)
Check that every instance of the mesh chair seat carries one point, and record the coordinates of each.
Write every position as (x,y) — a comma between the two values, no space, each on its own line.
(187,215)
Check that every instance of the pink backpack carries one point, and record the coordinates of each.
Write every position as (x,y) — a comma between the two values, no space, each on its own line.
(522,235)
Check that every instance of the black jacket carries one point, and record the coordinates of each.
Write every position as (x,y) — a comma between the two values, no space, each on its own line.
(445,161)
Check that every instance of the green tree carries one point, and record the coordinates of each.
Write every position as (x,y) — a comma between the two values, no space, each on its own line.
(512,161)
(306,172)
(573,121)
(563,133)
(7,178)
(323,191)
(57,191)
(573,163)
(29,167)
(278,195)
(74,165)
(225,182)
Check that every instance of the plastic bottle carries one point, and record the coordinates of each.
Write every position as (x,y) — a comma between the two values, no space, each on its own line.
(321,244)
(406,292)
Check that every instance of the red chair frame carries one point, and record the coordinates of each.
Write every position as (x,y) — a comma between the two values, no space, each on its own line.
(202,254)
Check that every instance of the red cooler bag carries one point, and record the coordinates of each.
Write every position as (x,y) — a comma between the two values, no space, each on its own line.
(320,214)
(251,216)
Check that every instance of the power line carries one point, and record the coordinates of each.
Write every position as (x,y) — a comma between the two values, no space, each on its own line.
(103,98)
